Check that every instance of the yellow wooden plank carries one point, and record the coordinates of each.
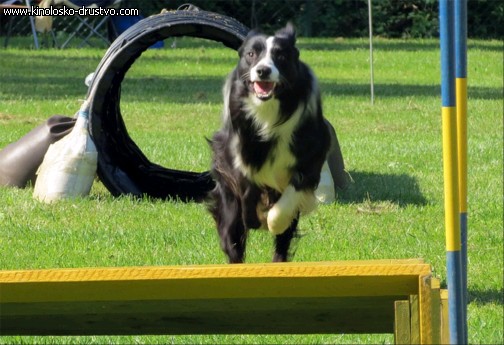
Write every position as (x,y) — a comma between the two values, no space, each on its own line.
(214,281)
(402,328)
(415,319)
(425,308)
(322,297)
(445,326)
(436,310)
(291,269)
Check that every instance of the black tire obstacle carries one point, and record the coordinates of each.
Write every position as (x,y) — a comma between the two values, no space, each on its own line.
(122,167)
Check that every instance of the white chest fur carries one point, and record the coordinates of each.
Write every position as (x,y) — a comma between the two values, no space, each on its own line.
(276,171)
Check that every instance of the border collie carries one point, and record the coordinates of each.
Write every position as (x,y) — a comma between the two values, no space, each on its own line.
(268,155)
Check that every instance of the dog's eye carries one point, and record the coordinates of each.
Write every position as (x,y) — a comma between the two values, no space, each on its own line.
(251,53)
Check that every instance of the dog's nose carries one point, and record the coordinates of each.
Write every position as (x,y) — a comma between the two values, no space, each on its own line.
(263,72)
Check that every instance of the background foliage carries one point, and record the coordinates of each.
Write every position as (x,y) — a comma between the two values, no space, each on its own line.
(332,18)
(347,18)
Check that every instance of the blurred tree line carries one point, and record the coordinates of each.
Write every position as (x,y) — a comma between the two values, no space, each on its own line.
(345,18)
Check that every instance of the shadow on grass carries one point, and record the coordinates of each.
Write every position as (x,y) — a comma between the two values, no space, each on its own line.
(195,89)
(26,42)
(389,45)
(400,189)
(343,44)
(403,90)
(52,78)
(482,297)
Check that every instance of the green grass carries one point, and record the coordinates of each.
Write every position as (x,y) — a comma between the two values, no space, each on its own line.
(171,101)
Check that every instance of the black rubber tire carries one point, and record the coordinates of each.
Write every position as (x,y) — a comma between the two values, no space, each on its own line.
(122,167)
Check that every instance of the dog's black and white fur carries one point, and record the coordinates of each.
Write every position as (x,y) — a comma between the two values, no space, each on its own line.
(269,153)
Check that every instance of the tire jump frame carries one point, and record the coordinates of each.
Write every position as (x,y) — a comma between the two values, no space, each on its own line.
(122,167)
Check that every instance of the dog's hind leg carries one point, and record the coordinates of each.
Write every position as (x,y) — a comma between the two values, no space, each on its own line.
(234,243)
(250,200)
(232,232)
(283,242)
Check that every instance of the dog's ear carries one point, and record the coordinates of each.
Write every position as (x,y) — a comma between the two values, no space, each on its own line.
(251,33)
(288,33)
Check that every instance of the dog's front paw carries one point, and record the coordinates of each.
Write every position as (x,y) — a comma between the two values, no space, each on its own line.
(279,219)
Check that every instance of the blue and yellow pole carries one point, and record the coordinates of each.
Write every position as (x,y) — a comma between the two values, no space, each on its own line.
(461,102)
(451,175)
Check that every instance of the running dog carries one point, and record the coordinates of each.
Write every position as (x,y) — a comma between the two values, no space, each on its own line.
(268,155)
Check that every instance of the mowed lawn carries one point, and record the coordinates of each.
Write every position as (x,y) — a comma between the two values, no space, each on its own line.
(171,100)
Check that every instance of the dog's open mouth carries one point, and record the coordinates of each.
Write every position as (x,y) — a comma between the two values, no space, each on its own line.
(264,89)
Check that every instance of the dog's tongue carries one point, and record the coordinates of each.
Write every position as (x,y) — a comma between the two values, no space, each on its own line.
(263,87)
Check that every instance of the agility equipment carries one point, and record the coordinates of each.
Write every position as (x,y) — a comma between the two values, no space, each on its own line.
(69,166)
(383,296)
(20,160)
(453,36)
(371,59)
(122,167)
(461,103)
(333,174)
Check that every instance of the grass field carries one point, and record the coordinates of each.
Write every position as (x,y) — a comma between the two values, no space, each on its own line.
(171,101)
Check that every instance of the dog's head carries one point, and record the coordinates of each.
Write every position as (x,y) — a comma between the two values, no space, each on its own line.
(269,64)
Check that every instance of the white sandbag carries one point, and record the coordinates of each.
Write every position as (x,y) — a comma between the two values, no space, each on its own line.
(325,192)
(69,166)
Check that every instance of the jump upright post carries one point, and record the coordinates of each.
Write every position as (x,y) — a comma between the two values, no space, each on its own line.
(461,102)
(453,23)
